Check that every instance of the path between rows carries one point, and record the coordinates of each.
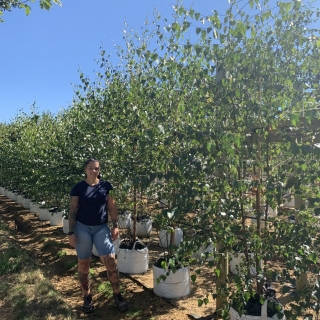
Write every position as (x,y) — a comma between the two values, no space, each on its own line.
(31,234)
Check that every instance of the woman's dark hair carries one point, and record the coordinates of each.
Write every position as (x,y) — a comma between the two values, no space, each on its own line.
(94,160)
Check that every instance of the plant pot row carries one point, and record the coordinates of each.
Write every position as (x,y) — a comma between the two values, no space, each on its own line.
(134,258)
(131,260)
(44,214)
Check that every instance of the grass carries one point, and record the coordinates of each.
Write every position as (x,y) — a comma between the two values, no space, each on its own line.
(24,289)
(4,227)
(33,297)
(28,295)
(12,259)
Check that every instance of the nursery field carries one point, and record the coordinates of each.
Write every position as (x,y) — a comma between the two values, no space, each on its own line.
(214,130)
(48,247)
(44,253)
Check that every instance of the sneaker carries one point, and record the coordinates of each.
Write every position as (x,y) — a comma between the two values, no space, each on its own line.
(88,306)
(121,304)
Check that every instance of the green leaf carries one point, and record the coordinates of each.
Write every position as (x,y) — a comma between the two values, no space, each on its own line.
(164,265)
(304,167)
(294,119)
(181,107)
(246,295)
(313,257)
(278,307)
(27,10)
(193,278)
(288,6)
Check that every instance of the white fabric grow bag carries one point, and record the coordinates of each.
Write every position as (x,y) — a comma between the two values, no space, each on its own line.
(9,194)
(289,200)
(133,261)
(124,220)
(44,214)
(56,218)
(65,225)
(20,199)
(201,253)
(177,285)
(165,237)
(34,207)
(236,259)
(26,203)
(14,196)
(143,228)
(234,315)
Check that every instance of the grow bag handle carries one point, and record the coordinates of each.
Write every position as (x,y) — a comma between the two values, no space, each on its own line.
(134,245)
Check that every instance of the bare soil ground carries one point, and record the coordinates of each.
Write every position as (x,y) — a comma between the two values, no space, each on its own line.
(45,243)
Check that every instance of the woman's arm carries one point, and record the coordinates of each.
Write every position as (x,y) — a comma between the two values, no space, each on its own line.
(72,219)
(112,208)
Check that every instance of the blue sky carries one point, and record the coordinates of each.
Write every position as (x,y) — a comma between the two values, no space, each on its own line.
(41,54)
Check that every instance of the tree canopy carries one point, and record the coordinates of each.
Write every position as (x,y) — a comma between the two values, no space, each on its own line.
(8,5)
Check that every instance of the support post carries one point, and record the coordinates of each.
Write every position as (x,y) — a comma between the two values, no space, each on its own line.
(302,281)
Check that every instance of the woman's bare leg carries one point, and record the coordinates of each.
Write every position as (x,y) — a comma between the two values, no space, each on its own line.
(109,261)
(84,277)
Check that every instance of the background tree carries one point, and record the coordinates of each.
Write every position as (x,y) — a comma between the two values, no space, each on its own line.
(8,5)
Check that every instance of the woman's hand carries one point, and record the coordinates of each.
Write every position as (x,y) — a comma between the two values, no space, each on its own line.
(115,234)
(72,240)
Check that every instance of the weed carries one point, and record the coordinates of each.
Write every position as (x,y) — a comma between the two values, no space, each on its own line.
(49,243)
(4,227)
(71,264)
(106,289)
(133,313)
(61,253)
(91,273)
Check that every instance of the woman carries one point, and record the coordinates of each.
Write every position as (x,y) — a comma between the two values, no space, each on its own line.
(90,203)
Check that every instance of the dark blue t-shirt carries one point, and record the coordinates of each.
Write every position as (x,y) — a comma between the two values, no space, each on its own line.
(92,202)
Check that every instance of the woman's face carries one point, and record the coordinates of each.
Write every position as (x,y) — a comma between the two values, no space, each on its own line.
(92,169)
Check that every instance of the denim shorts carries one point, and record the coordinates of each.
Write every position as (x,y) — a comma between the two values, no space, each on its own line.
(86,236)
